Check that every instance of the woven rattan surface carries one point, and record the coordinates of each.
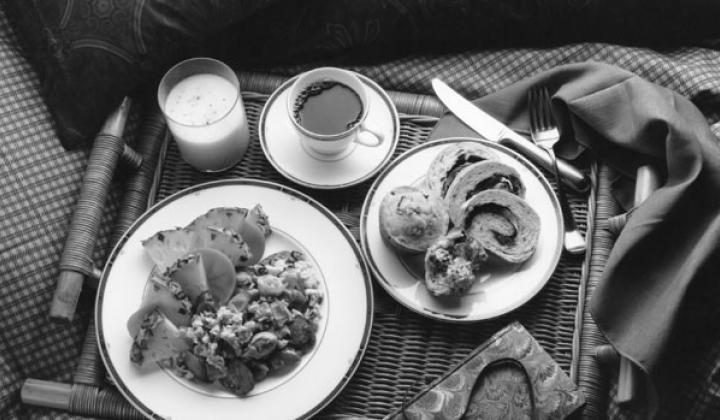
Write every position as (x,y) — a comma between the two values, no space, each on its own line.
(592,377)
(406,350)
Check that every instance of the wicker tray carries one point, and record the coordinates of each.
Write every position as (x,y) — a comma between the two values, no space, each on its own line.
(406,351)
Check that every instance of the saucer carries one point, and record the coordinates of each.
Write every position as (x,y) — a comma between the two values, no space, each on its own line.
(281,143)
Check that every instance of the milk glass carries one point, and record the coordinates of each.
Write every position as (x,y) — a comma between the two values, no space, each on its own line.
(200,99)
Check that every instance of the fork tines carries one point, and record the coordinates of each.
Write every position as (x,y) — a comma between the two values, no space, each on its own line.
(540,113)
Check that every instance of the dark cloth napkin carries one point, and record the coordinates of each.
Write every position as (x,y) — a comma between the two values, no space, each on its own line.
(660,287)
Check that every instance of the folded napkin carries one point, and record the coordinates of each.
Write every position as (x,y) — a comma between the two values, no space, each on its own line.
(541,391)
(656,295)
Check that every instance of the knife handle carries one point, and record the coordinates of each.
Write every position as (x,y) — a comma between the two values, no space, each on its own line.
(571,175)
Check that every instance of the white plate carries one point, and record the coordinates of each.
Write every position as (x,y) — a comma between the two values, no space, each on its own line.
(502,290)
(281,143)
(299,223)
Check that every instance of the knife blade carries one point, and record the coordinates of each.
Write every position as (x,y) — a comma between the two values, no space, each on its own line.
(493,130)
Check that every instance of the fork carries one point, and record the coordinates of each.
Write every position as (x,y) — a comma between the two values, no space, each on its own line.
(544,133)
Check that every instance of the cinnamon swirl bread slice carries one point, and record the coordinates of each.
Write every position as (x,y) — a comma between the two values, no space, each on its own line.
(504,224)
(478,177)
(451,160)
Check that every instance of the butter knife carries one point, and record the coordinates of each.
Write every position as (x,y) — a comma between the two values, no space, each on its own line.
(493,130)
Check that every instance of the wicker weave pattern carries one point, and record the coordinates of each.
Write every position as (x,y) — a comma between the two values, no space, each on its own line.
(135,200)
(591,376)
(406,350)
(88,400)
(89,370)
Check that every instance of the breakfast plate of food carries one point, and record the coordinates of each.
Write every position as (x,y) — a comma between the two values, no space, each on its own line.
(238,297)
(461,229)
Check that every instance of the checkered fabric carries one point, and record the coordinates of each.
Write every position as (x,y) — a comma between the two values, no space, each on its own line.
(39,185)
(40,182)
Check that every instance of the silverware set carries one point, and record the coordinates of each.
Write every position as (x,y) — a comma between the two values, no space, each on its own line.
(491,129)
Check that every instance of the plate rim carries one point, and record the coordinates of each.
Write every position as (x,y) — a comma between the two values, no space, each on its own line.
(382,164)
(433,143)
(117,248)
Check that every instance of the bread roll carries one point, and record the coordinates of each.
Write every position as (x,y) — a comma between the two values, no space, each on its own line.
(412,219)
(478,177)
(452,264)
(451,160)
(504,224)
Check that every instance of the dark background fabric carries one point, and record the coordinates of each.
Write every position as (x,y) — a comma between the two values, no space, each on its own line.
(91,53)
(382,29)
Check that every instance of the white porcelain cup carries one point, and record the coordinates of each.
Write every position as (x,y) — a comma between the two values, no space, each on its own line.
(329,145)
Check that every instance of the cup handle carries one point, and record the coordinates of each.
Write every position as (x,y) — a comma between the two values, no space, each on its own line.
(369,137)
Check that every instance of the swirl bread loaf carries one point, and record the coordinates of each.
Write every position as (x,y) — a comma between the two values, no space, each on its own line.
(451,160)
(478,177)
(504,224)
(411,219)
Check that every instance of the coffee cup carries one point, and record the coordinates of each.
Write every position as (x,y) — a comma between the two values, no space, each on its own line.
(328,106)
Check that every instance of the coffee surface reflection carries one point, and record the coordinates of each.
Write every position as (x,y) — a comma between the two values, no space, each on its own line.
(327,108)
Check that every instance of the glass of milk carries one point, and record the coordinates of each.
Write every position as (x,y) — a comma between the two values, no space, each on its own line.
(201,101)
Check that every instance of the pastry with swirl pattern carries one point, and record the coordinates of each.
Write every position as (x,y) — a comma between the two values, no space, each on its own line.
(478,177)
(504,224)
(451,160)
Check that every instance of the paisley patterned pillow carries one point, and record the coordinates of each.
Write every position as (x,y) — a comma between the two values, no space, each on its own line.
(89,54)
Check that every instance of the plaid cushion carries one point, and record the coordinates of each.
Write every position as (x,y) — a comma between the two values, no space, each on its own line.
(40,184)
(41,181)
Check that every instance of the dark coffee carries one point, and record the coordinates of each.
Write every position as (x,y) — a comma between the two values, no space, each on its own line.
(327,107)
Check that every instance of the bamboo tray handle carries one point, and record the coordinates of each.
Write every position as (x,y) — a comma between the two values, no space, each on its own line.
(76,260)
(89,394)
